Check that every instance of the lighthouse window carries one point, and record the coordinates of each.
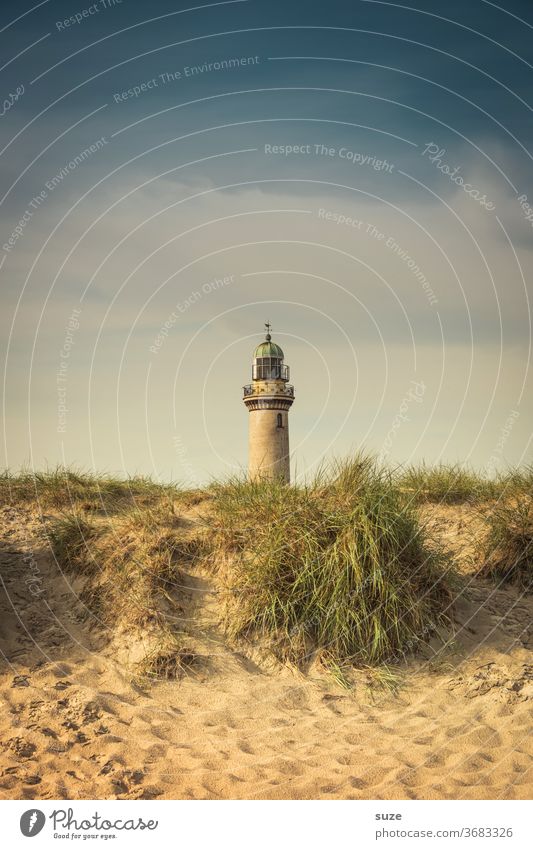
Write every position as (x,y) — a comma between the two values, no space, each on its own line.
(280,420)
(269,368)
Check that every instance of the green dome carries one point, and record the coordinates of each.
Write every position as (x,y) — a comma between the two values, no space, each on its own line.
(268,349)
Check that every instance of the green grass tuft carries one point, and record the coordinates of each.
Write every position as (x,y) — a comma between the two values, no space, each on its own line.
(340,566)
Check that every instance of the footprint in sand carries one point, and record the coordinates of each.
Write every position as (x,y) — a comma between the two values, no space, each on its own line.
(81,738)
(21,748)
(331,703)
(294,698)
(107,768)
(21,681)
(35,708)
(91,712)
(155,753)
(329,789)
(483,735)
(134,776)
(48,732)
(438,759)
(151,791)
(346,760)
(353,739)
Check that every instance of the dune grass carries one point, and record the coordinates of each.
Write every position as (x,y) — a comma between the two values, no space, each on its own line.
(340,567)
(134,581)
(507,550)
(62,487)
(448,484)
(72,537)
(455,484)
(133,560)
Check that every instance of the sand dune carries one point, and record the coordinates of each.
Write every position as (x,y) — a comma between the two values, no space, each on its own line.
(74,726)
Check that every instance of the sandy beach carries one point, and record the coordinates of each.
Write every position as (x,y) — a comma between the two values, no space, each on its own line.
(74,725)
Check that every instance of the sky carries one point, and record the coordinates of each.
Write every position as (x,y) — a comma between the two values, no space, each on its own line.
(174,175)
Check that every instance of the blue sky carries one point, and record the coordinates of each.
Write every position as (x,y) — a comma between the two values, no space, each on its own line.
(299,162)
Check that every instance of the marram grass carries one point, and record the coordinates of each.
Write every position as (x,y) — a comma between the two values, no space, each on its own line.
(506,551)
(456,484)
(64,488)
(134,579)
(340,567)
(134,560)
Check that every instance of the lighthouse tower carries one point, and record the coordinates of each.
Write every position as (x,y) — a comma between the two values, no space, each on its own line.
(269,398)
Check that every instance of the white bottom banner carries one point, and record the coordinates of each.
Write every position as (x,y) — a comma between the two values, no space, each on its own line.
(265,825)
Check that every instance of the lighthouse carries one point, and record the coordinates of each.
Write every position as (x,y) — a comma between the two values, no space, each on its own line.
(269,398)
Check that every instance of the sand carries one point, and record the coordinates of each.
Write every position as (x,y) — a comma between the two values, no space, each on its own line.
(73,726)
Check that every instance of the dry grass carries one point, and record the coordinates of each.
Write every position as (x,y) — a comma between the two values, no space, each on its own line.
(169,659)
(133,560)
(507,550)
(63,488)
(72,538)
(134,578)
